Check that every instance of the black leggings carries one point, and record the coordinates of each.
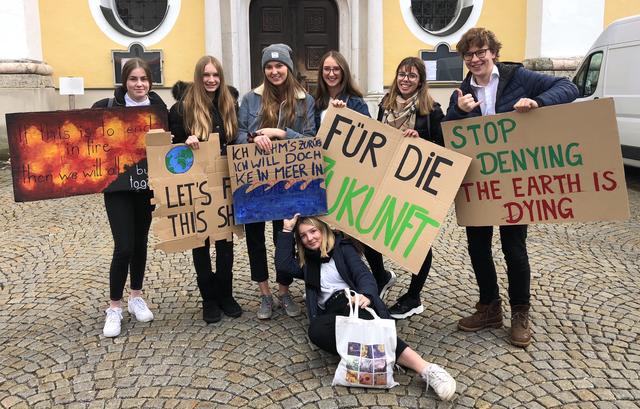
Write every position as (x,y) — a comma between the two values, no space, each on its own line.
(257,249)
(322,329)
(129,216)
(374,258)
(214,287)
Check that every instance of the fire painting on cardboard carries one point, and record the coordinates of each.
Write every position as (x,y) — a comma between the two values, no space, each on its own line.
(66,153)
(277,184)
(389,192)
(555,164)
(191,193)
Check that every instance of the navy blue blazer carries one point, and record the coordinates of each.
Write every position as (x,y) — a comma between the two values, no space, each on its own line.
(517,82)
(349,264)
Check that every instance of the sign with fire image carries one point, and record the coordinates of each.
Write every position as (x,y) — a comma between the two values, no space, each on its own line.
(67,153)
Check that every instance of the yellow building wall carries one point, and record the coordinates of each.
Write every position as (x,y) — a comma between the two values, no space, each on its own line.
(617,9)
(74,45)
(399,42)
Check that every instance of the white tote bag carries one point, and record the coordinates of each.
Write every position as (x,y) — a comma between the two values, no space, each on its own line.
(367,349)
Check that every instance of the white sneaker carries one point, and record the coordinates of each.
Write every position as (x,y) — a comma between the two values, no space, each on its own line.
(112,323)
(389,284)
(138,307)
(442,383)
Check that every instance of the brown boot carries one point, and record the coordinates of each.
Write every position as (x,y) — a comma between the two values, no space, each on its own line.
(520,330)
(486,316)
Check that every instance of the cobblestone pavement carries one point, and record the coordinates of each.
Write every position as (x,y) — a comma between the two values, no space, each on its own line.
(53,270)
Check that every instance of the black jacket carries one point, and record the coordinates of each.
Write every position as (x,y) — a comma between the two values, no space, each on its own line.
(118,99)
(180,133)
(349,264)
(428,126)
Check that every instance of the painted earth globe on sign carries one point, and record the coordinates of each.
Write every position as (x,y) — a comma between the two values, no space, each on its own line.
(179,159)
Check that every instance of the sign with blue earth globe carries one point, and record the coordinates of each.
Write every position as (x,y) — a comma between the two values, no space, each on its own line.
(179,159)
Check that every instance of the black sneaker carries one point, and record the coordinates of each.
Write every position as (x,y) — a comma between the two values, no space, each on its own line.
(405,307)
(230,307)
(211,312)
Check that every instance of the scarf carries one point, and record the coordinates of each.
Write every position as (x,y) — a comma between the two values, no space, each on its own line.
(314,262)
(405,116)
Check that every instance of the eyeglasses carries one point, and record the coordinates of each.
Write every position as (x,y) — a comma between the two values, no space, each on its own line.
(411,75)
(478,53)
(328,70)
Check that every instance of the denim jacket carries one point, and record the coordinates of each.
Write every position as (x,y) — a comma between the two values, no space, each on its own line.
(250,116)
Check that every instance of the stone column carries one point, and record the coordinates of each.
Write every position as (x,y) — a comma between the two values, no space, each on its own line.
(213,29)
(375,55)
(25,81)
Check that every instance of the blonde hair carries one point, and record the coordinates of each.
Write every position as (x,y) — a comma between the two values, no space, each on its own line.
(425,101)
(197,103)
(328,238)
(273,97)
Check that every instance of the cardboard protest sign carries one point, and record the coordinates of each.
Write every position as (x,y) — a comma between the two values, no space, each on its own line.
(389,192)
(66,153)
(191,192)
(555,164)
(277,184)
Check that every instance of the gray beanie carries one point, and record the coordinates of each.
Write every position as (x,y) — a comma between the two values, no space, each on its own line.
(277,52)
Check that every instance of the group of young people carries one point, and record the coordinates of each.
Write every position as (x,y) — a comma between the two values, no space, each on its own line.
(327,261)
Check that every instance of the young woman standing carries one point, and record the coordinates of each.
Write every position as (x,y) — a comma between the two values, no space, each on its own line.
(338,88)
(207,106)
(129,212)
(329,264)
(409,107)
(278,109)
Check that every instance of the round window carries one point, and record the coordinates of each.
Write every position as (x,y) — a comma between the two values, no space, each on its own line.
(441,17)
(135,18)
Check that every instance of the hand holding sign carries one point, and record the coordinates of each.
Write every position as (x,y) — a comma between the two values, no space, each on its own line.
(525,105)
(290,224)
(466,102)
(263,142)
(338,103)
(193,142)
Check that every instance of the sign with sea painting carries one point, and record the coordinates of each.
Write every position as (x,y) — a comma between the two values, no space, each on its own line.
(277,184)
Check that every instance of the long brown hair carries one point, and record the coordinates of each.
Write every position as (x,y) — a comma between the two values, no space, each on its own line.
(197,103)
(425,101)
(131,65)
(328,238)
(348,85)
(273,97)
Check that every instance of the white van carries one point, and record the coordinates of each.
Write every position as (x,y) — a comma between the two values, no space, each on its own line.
(612,69)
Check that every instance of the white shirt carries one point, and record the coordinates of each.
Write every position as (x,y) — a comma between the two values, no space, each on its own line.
(487,93)
(131,103)
(330,281)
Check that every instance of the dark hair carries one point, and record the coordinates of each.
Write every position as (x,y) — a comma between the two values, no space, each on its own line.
(131,65)
(479,37)
(425,101)
(179,89)
(347,86)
